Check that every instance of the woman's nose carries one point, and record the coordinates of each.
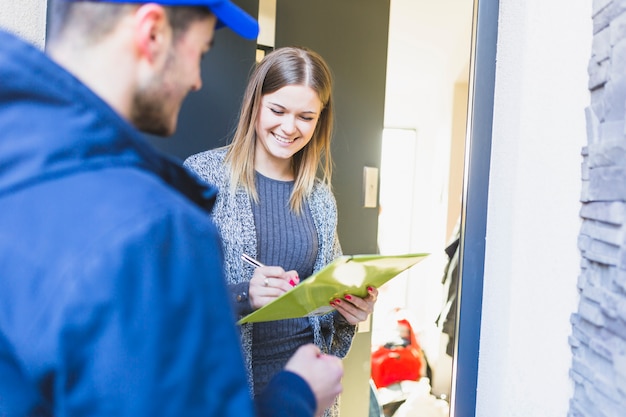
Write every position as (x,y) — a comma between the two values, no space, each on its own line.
(289,125)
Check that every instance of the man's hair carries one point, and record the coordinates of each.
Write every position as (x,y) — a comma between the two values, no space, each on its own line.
(93,20)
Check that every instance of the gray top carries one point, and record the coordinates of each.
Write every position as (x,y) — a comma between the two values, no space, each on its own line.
(233,216)
(288,240)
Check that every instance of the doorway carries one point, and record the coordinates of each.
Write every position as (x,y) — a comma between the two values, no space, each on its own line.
(421,177)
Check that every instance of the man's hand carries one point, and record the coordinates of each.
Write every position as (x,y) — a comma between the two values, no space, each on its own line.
(322,372)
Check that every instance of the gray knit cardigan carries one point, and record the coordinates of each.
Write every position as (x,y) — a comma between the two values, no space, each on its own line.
(233,217)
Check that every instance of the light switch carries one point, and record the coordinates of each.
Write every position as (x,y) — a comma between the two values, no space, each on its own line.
(366,325)
(370,187)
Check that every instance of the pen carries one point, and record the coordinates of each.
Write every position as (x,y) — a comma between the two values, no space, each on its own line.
(250,260)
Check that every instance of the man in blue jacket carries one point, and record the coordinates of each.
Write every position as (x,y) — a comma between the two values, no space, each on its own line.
(112,295)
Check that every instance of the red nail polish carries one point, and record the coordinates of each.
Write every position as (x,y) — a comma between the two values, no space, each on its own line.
(338,301)
(292,283)
(370,289)
(347,297)
(332,304)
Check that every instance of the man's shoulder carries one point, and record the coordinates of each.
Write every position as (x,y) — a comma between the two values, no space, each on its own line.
(135,192)
(118,204)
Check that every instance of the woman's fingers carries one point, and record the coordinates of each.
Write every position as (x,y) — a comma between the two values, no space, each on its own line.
(356,309)
(268,283)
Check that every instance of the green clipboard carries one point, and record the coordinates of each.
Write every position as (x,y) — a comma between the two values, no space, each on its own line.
(348,274)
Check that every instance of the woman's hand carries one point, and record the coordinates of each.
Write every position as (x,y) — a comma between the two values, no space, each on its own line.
(356,309)
(268,283)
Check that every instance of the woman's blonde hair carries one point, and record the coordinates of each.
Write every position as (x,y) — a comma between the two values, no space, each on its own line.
(280,68)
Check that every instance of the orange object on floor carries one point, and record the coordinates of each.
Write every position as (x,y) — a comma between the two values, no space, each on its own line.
(399,360)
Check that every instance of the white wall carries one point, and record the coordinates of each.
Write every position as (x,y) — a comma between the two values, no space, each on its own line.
(26,18)
(532,260)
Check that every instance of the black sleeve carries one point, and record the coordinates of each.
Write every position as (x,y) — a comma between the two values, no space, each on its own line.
(240,298)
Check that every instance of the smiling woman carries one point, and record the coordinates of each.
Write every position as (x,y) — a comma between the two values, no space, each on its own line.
(272,206)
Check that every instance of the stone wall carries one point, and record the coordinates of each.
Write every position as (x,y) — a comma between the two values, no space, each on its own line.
(598,338)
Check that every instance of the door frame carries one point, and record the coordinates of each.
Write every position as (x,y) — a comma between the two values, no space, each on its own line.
(474,207)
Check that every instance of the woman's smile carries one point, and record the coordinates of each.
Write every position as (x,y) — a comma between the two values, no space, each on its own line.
(283,139)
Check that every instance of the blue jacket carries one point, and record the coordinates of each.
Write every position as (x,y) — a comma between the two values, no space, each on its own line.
(112,295)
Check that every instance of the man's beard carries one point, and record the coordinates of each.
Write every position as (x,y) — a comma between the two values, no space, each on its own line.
(148,114)
(150,103)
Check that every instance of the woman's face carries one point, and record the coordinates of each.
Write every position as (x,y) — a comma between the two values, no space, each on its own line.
(285,124)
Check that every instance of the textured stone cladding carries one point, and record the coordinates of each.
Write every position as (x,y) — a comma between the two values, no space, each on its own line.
(598,339)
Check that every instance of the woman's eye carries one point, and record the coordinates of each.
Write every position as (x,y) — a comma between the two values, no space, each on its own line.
(275,111)
(306,118)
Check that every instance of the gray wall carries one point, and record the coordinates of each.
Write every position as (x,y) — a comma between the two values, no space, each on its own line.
(352,36)
(598,337)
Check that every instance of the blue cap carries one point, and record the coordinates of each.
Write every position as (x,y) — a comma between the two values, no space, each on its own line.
(227,13)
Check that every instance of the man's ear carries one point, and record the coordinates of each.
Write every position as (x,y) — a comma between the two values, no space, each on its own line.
(153,33)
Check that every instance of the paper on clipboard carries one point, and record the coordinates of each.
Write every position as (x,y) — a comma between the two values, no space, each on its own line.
(348,274)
